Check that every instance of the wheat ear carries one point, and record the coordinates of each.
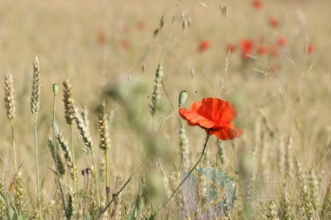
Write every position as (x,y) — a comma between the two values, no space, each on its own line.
(104,139)
(67,155)
(326,208)
(157,89)
(35,105)
(70,117)
(84,132)
(10,110)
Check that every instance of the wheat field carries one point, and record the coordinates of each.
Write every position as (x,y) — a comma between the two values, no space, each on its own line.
(91,91)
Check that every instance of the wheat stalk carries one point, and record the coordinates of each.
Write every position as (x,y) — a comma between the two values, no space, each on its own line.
(70,117)
(9,97)
(184,148)
(10,110)
(2,204)
(19,193)
(285,207)
(288,160)
(313,187)
(36,84)
(326,208)
(104,138)
(84,132)
(56,157)
(84,115)
(272,211)
(156,90)
(307,204)
(35,105)
(67,155)
(68,102)
(104,130)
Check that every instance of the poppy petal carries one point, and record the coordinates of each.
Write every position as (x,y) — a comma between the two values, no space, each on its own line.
(193,118)
(217,110)
(227,133)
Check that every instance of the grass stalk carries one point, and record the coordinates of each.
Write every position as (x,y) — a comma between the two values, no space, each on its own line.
(13,143)
(35,128)
(73,159)
(35,105)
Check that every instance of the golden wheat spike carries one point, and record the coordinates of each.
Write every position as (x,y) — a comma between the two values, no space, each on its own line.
(9,97)
(68,102)
(36,84)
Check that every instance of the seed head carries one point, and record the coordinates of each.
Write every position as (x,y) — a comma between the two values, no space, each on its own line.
(103,129)
(35,96)
(68,102)
(9,97)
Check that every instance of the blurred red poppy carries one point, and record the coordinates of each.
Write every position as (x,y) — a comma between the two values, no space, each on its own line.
(230,48)
(141,25)
(273,22)
(125,44)
(101,38)
(261,50)
(246,48)
(310,49)
(282,41)
(214,115)
(257,4)
(126,29)
(273,50)
(204,45)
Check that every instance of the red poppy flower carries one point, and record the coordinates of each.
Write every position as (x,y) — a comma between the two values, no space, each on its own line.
(204,45)
(310,49)
(125,44)
(126,29)
(215,116)
(273,22)
(282,41)
(141,25)
(230,48)
(246,47)
(261,50)
(257,4)
(101,37)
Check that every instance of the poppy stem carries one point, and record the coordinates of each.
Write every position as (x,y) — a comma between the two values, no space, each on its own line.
(165,119)
(188,175)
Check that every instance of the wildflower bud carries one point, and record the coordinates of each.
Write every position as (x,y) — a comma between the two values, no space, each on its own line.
(182,97)
(55,88)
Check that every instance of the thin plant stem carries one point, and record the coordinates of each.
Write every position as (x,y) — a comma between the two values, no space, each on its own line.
(164,120)
(188,175)
(35,126)
(95,176)
(86,184)
(73,158)
(53,127)
(13,144)
(106,175)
